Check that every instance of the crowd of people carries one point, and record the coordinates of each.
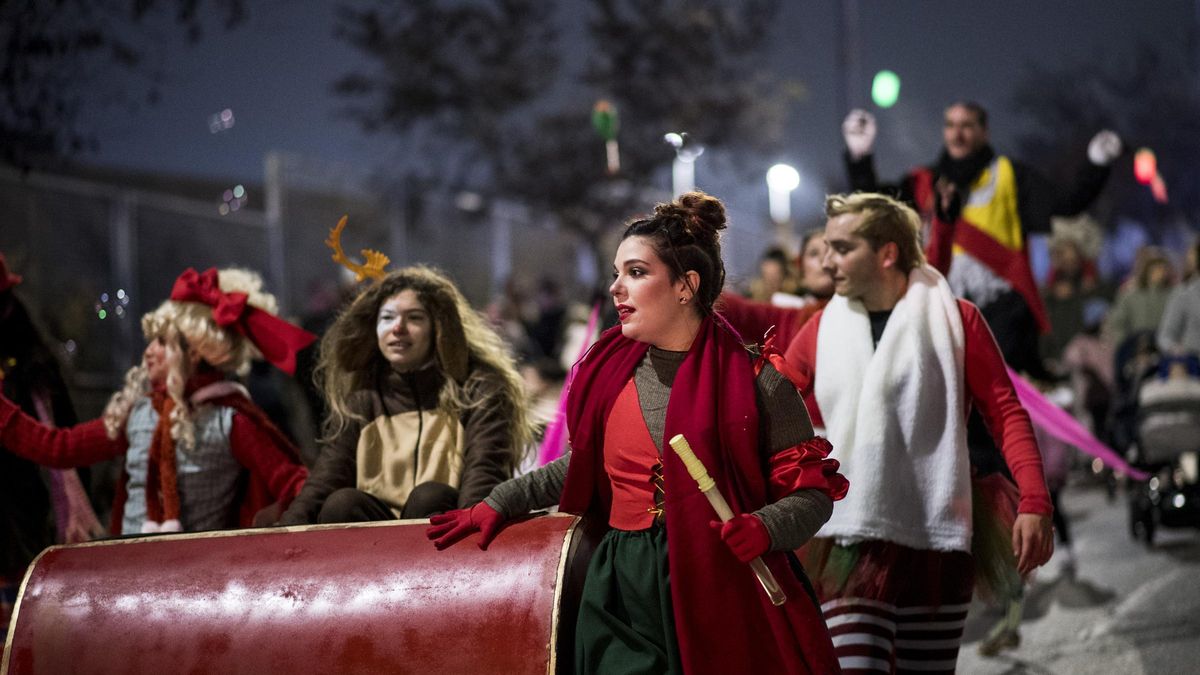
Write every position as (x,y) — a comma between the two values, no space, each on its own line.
(855,408)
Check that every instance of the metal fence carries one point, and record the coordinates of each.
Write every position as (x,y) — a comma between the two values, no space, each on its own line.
(97,256)
(479,245)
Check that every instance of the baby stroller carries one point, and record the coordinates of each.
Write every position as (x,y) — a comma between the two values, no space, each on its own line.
(1166,442)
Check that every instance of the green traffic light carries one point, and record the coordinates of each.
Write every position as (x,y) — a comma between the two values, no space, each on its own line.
(885,89)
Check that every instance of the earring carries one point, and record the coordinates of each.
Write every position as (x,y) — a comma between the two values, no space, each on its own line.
(682,301)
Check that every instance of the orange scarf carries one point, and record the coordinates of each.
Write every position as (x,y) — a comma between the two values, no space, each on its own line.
(162,487)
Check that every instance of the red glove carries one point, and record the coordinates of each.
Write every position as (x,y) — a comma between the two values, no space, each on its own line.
(745,535)
(454,526)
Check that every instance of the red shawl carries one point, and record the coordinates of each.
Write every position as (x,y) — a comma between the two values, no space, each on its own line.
(724,622)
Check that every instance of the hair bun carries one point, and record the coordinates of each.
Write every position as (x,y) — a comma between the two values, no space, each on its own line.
(703,210)
(694,215)
(685,234)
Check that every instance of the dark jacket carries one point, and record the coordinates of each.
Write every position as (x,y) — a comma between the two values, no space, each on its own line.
(486,458)
(1038,199)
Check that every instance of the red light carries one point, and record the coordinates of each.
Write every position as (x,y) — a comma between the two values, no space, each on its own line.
(1145,166)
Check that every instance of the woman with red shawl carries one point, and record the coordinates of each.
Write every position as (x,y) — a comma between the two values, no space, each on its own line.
(668,589)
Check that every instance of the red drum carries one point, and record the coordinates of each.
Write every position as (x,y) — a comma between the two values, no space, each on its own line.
(364,598)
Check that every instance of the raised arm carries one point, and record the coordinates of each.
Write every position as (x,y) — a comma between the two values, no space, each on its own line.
(65,448)
(1039,199)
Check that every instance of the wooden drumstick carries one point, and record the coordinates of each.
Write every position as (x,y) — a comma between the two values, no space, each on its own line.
(709,487)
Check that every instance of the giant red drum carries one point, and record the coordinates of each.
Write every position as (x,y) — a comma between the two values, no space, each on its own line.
(322,599)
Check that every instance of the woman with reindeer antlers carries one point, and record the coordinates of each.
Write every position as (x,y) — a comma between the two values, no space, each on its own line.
(426,409)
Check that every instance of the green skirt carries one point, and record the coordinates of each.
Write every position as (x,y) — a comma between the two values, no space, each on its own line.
(626,624)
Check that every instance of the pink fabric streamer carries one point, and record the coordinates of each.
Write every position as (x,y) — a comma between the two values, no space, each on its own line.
(554,443)
(1058,423)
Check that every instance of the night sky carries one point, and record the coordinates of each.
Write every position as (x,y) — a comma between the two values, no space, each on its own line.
(275,70)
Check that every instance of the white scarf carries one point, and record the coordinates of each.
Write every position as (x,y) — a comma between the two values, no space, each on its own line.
(896,416)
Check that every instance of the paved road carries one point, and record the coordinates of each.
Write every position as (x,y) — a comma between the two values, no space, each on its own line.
(1127,609)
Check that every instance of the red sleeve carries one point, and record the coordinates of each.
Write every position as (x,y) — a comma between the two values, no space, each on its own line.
(256,450)
(64,448)
(807,467)
(801,355)
(753,319)
(992,391)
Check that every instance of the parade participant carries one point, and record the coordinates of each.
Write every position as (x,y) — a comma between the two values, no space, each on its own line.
(982,207)
(755,319)
(426,408)
(198,454)
(667,591)
(890,368)
(29,376)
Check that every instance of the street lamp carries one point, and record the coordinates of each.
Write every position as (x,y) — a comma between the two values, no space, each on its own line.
(781,180)
(683,169)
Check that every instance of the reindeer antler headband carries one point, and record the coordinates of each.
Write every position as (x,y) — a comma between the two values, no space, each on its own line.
(376,261)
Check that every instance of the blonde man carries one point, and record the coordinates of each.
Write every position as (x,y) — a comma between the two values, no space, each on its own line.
(890,368)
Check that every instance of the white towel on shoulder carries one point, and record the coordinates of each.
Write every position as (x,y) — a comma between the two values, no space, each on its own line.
(895,415)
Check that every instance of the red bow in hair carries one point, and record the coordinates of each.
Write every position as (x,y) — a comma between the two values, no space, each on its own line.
(277,339)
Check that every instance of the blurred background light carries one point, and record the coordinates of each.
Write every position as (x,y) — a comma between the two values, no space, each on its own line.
(885,89)
(782,179)
(1145,166)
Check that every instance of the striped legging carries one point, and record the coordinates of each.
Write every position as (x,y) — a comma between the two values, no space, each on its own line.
(870,636)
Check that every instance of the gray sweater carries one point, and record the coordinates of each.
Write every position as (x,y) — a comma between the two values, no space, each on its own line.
(1180,327)
(783,423)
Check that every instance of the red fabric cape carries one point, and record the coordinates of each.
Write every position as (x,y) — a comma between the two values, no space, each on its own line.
(723,620)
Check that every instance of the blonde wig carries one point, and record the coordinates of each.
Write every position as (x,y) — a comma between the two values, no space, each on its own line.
(188,328)
(350,359)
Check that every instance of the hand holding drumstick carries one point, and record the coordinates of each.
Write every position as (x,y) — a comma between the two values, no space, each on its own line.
(741,532)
